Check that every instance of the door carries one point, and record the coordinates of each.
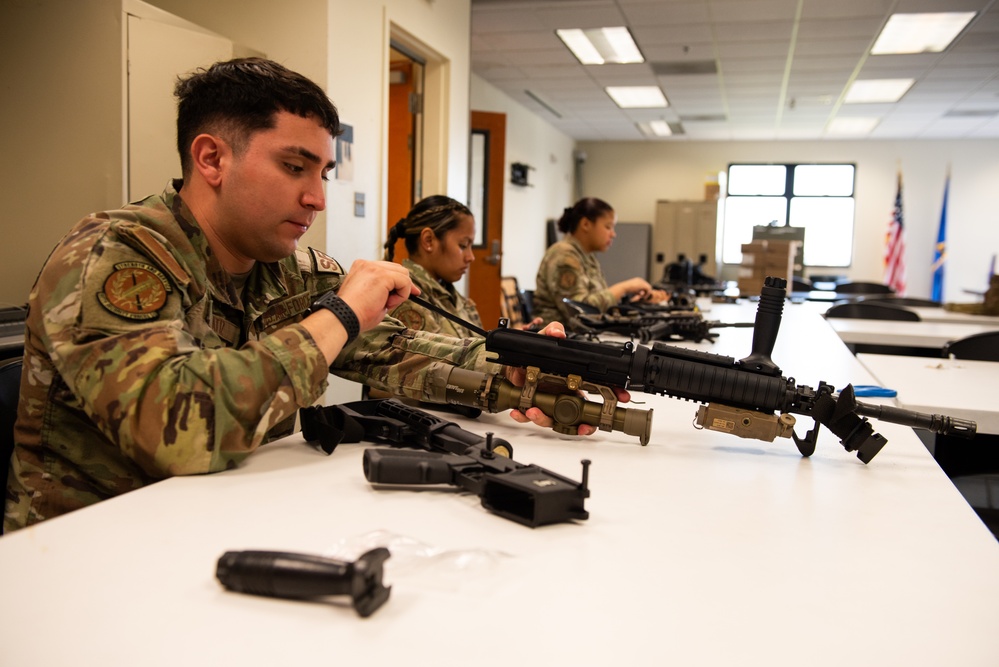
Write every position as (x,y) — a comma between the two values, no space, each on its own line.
(158,53)
(405,139)
(487,162)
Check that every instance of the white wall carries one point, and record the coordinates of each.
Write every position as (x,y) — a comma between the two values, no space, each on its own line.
(632,176)
(529,140)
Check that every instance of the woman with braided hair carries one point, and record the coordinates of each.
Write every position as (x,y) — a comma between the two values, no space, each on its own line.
(438,233)
(570,270)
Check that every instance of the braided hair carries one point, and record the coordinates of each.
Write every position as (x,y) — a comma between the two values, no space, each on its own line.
(587,207)
(438,212)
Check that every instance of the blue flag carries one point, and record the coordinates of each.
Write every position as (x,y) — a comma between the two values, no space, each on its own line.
(940,252)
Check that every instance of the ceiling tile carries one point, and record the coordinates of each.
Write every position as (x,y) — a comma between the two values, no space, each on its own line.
(761,92)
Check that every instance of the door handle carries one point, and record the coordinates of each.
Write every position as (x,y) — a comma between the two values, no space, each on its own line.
(494,254)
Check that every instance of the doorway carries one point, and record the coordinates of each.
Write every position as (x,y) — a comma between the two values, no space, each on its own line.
(405,136)
(487,159)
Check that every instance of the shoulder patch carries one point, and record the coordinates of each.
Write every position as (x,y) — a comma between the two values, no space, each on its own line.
(567,279)
(135,291)
(412,318)
(324,263)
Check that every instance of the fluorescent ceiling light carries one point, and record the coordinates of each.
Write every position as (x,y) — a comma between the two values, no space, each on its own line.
(655,128)
(852,126)
(920,33)
(599,46)
(877,90)
(637,97)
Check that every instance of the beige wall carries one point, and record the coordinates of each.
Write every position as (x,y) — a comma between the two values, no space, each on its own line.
(632,176)
(60,128)
(62,138)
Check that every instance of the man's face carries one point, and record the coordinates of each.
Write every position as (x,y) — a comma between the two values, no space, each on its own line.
(271,191)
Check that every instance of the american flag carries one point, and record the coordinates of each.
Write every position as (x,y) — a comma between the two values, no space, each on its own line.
(895,246)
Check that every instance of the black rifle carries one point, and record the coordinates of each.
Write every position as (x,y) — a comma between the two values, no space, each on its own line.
(741,397)
(525,493)
(645,327)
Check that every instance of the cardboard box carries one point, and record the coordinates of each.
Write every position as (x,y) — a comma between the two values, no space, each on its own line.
(763,258)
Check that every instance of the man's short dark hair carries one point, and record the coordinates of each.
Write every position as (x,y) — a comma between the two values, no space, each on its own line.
(235,98)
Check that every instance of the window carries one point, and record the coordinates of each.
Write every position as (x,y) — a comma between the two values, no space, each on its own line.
(818,197)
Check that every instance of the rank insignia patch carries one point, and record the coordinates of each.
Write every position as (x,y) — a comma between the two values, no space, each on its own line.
(135,290)
(325,263)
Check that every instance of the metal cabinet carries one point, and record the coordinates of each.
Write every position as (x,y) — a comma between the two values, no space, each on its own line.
(684,227)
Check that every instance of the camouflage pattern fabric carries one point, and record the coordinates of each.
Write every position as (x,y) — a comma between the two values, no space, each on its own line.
(141,360)
(445,297)
(568,271)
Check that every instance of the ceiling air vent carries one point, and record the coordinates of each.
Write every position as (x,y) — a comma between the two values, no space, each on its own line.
(685,67)
(705,118)
(972,113)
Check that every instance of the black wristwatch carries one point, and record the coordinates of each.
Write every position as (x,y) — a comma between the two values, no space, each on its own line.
(331,302)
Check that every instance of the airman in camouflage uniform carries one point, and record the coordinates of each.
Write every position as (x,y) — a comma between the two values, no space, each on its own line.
(142,361)
(174,336)
(438,233)
(444,296)
(570,270)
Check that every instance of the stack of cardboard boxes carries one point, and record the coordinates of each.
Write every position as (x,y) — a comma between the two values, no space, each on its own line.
(765,258)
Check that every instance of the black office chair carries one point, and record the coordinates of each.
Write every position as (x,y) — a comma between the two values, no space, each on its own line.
(801,285)
(904,301)
(872,311)
(981,346)
(863,288)
(10,390)
(527,296)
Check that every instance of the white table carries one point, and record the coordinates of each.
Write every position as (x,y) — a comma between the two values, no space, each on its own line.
(700,549)
(956,387)
(944,315)
(904,334)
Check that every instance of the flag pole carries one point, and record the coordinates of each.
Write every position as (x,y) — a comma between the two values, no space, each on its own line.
(940,250)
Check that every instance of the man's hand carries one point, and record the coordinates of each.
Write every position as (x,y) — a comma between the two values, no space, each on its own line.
(533,325)
(373,288)
(654,296)
(518,375)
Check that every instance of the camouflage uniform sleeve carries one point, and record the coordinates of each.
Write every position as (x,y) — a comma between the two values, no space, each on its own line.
(148,385)
(395,359)
(566,278)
